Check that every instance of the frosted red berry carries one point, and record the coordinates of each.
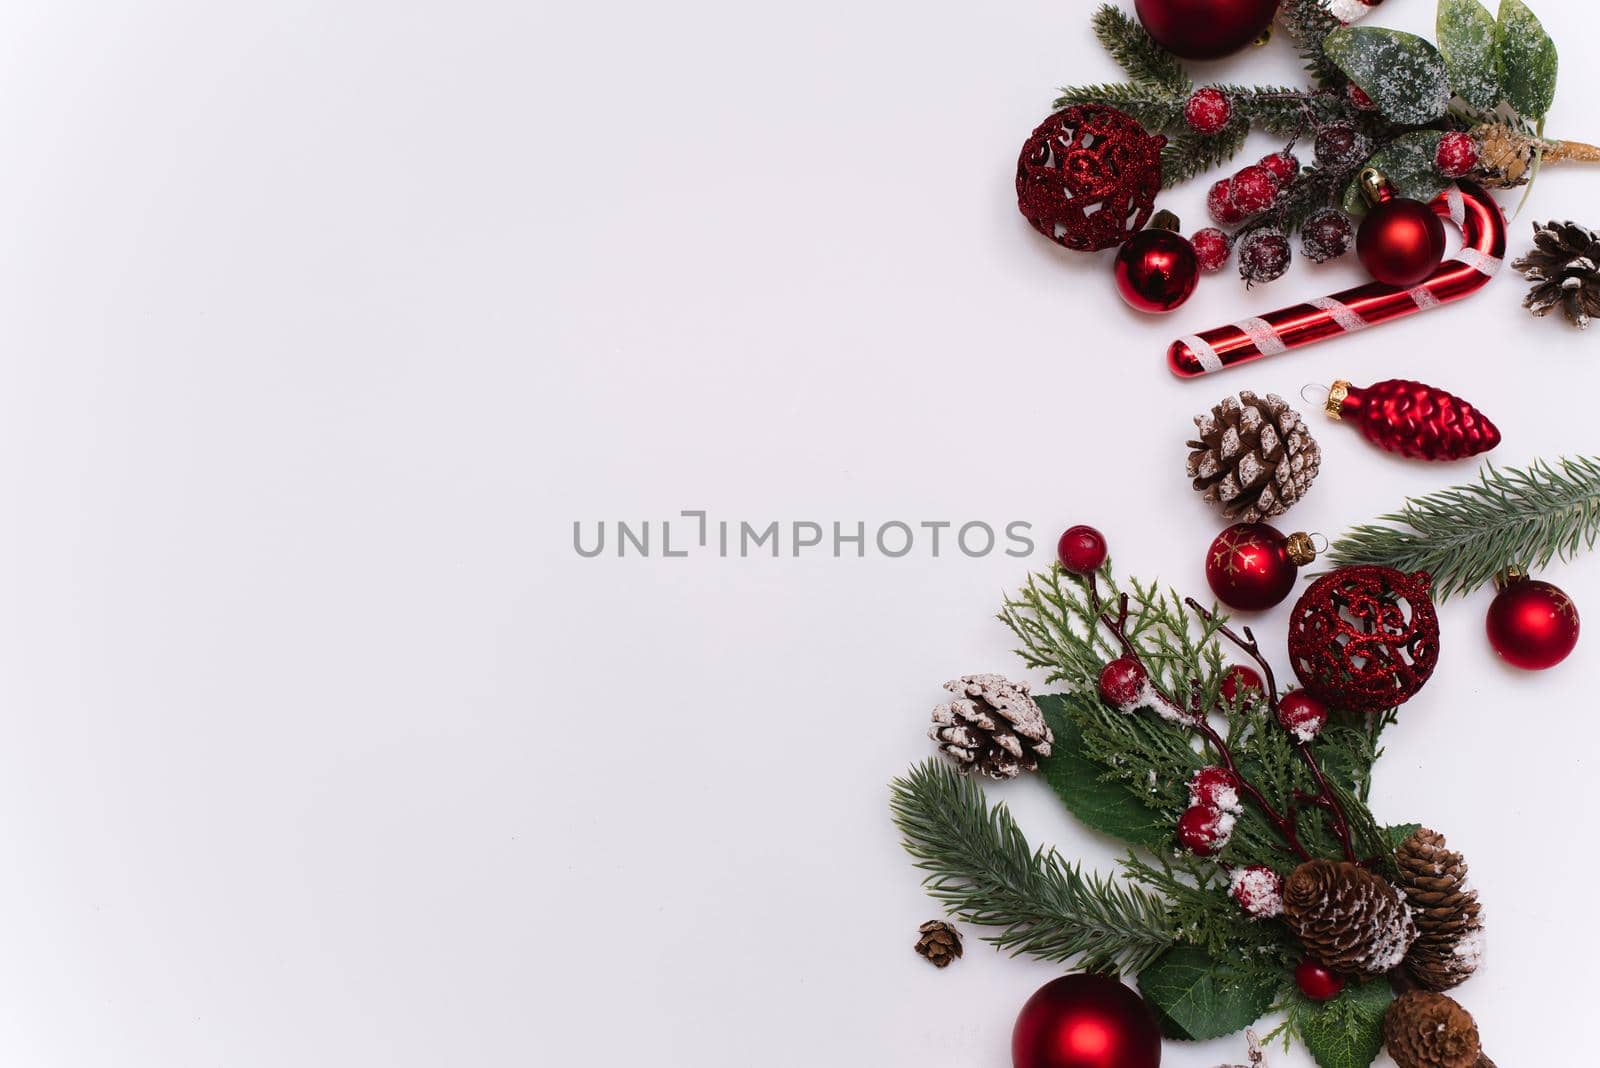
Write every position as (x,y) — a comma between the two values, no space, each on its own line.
(1212,248)
(1254,189)
(1457,155)
(1283,165)
(1240,680)
(1081,550)
(1358,97)
(1264,255)
(1208,111)
(1317,982)
(1326,235)
(1123,682)
(1219,202)
(1203,831)
(1302,715)
(1216,788)
(1259,891)
(1340,146)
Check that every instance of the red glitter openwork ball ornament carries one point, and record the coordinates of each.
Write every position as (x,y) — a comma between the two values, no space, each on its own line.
(1365,638)
(1088,177)
(1532,625)
(1086,1021)
(1205,29)
(1252,566)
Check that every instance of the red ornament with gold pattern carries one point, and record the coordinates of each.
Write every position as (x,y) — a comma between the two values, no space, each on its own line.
(1531,624)
(1414,419)
(1252,566)
(1086,1021)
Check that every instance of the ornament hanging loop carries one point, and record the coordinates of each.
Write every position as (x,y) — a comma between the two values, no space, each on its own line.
(1302,548)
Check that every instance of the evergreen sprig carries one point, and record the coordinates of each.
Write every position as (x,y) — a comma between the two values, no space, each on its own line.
(1466,535)
(1308,23)
(980,866)
(1137,53)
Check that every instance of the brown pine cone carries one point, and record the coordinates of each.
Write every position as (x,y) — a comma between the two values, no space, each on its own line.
(1427,1030)
(1564,267)
(995,727)
(1434,881)
(1253,456)
(940,942)
(1350,919)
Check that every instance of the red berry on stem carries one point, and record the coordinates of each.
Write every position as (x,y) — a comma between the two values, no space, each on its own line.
(1264,255)
(1123,682)
(1317,982)
(1216,788)
(1212,247)
(1302,715)
(1532,625)
(1457,154)
(1241,680)
(1254,189)
(1219,203)
(1259,891)
(1203,830)
(1082,550)
(1208,111)
(1358,97)
(1326,235)
(1157,270)
(1340,146)
(1283,165)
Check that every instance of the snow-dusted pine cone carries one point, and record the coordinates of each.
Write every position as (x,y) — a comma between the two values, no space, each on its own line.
(1349,919)
(939,942)
(1434,882)
(1426,1030)
(993,727)
(1254,457)
(1564,268)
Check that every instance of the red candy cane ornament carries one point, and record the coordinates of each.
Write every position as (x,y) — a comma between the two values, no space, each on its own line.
(1466,205)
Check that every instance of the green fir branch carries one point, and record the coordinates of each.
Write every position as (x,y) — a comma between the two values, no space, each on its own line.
(1189,155)
(982,869)
(1466,535)
(1308,23)
(1153,109)
(1205,913)
(1136,52)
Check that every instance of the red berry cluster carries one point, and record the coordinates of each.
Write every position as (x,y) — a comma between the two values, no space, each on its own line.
(1457,154)
(1253,190)
(1208,111)
(1326,235)
(1215,802)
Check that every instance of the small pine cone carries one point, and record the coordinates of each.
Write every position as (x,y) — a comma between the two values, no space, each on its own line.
(1254,457)
(1434,882)
(1426,1030)
(939,942)
(1350,919)
(1564,266)
(1504,155)
(994,727)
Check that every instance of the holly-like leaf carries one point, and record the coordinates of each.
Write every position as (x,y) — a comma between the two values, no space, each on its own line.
(1403,74)
(1197,997)
(1528,61)
(1398,833)
(1471,55)
(1346,1032)
(1408,163)
(1109,807)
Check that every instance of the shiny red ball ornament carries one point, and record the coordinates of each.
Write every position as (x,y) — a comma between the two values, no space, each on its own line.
(1088,177)
(1085,1021)
(1241,680)
(1157,269)
(1252,566)
(1532,625)
(1414,419)
(1401,241)
(1365,638)
(1205,29)
(1317,982)
(1081,550)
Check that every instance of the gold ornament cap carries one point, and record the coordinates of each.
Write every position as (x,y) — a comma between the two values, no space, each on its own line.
(1301,547)
(1336,397)
(1375,186)
(1510,576)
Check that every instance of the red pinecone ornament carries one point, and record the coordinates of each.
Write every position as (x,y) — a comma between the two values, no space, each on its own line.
(1088,177)
(1365,638)
(1414,419)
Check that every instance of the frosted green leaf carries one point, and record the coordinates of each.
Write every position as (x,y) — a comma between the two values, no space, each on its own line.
(1471,56)
(1403,74)
(1408,163)
(1348,1031)
(1528,61)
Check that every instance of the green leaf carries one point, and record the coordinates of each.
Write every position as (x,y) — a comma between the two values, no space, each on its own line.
(1346,1032)
(1197,997)
(1528,61)
(1408,161)
(1398,833)
(1471,56)
(1403,74)
(1109,807)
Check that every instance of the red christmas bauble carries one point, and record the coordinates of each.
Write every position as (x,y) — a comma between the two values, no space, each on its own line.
(1401,242)
(1088,177)
(1250,567)
(1205,29)
(1413,419)
(1532,625)
(1085,1021)
(1157,270)
(1317,982)
(1365,638)
(1081,550)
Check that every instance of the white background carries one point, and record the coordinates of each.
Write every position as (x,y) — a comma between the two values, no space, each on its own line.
(320,325)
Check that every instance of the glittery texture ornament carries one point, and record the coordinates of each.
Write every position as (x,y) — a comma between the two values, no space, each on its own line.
(1088,177)
(1365,638)
(1414,419)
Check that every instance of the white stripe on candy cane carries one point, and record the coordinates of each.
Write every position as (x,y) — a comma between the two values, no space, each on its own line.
(1481,262)
(1203,352)
(1457,205)
(1347,319)
(1261,333)
(1423,298)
